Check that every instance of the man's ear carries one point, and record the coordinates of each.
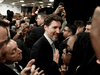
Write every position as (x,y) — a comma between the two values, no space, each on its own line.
(45,27)
(78,28)
(2,59)
(70,33)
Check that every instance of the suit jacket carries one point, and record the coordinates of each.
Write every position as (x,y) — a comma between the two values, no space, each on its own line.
(25,53)
(35,34)
(62,46)
(43,54)
(4,70)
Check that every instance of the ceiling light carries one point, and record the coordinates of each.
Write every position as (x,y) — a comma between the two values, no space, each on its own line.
(13,3)
(49,4)
(51,0)
(32,3)
(23,4)
(21,0)
(40,2)
(1,1)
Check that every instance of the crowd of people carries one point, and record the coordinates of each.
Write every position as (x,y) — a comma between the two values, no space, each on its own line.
(46,44)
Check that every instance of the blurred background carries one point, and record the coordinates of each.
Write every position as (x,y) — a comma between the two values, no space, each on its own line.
(75,10)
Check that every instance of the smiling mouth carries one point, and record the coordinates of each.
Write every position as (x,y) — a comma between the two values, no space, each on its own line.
(56,35)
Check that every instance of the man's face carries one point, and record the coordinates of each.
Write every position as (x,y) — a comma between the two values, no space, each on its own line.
(66,57)
(53,30)
(12,52)
(66,32)
(19,17)
(67,53)
(40,20)
(81,29)
(88,28)
(3,38)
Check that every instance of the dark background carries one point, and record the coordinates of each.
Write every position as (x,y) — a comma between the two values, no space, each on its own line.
(78,9)
(75,9)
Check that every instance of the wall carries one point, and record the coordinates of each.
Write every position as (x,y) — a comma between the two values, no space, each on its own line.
(5,7)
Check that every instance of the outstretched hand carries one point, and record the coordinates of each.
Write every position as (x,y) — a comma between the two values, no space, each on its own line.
(31,68)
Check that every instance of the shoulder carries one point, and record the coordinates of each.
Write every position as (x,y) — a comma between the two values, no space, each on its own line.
(41,41)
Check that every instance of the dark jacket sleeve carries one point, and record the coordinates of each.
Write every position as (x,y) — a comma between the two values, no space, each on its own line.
(32,19)
(31,39)
(25,52)
(43,59)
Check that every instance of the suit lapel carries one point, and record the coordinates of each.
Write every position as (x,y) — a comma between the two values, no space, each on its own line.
(4,70)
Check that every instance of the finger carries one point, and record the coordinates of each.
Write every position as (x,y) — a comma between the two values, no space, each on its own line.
(37,69)
(60,69)
(26,69)
(36,73)
(64,50)
(30,63)
(56,51)
(98,61)
(61,66)
(53,51)
(43,74)
(33,68)
(40,72)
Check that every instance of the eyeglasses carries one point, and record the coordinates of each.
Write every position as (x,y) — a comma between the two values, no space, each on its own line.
(68,52)
(65,30)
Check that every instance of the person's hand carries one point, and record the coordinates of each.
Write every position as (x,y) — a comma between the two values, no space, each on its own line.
(63,14)
(56,55)
(63,69)
(35,71)
(59,9)
(39,8)
(31,68)
(33,10)
(6,20)
(27,68)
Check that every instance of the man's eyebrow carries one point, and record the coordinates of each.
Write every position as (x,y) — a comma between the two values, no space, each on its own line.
(1,43)
(68,45)
(7,32)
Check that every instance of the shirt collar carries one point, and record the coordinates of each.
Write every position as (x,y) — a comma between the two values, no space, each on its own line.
(41,24)
(49,40)
(10,66)
(67,37)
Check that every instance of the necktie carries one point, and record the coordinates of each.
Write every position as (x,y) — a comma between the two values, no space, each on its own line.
(18,67)
(53,46)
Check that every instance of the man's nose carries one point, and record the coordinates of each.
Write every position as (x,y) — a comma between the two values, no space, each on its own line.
(58,30)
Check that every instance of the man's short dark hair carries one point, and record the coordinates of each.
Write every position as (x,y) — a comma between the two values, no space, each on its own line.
(3,23)
(72,28)
(43,15)
(79,23)
(88,23)
(50,18)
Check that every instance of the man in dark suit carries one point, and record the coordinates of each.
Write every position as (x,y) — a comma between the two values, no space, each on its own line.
(25,52)
(10,53)
(36,33)
(68,31)
(10,56)
(43,52)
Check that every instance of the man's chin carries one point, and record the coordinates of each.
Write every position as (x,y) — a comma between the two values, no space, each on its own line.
(54,39)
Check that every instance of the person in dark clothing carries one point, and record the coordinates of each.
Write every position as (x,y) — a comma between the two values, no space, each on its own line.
(43,50)
(68,31)
(36,33)
(83,60)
